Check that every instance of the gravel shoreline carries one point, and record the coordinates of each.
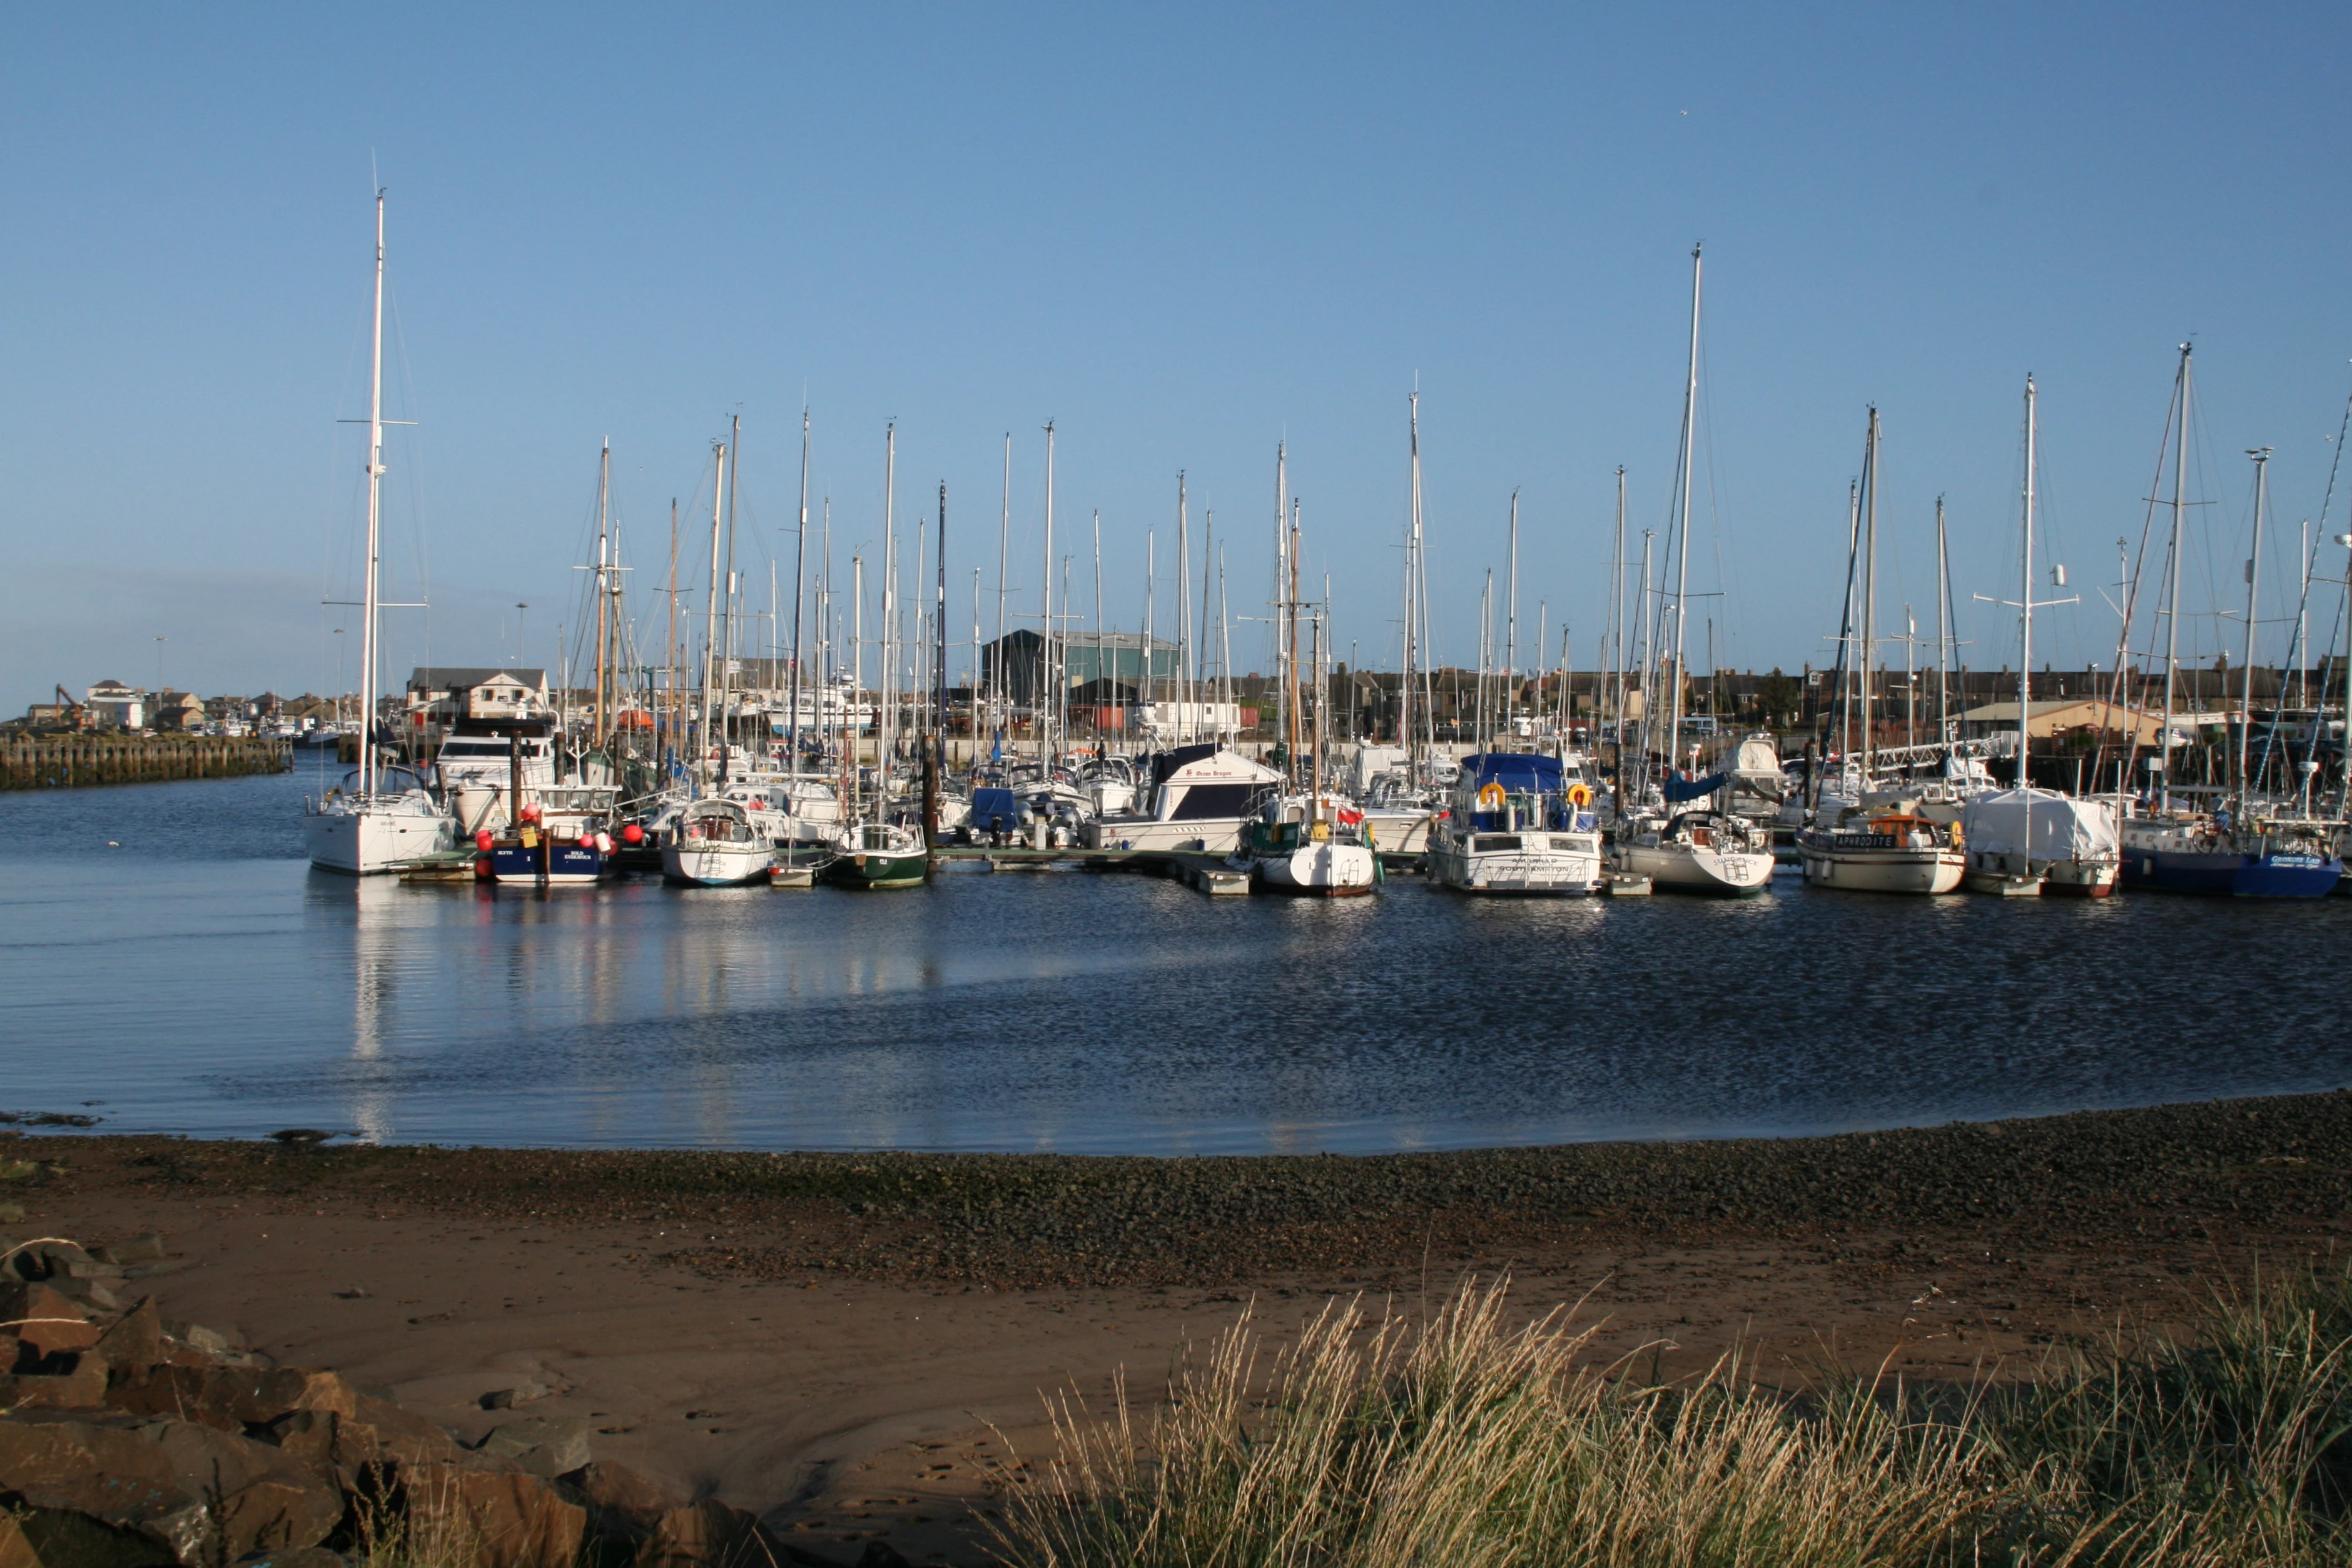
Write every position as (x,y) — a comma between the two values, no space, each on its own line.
(2212,1173)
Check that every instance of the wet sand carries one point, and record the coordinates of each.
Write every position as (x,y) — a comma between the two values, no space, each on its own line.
(849,1343)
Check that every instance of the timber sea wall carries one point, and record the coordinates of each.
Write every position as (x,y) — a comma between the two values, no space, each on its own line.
(76,761)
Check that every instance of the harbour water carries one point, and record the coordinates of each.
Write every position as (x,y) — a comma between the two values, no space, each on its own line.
(169,963)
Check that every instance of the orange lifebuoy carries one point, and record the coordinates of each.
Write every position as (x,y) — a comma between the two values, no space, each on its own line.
(1580,795)
(1490,796)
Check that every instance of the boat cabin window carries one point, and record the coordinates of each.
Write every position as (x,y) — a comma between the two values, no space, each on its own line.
(1487,842)
(1566,846)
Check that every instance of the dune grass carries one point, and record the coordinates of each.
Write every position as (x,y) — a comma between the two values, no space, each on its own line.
(1463,1441)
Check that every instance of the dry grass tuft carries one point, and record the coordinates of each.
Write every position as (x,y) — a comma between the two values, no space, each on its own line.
(1463,1442)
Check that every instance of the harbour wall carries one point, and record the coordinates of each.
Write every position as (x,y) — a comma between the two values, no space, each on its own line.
(76,761)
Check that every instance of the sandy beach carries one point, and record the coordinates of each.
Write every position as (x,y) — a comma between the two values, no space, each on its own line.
(849,1344)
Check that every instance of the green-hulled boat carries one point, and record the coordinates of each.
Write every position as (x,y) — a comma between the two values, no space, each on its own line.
(880,854)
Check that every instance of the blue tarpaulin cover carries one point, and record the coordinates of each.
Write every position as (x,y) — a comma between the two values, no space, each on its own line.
(987,805)
(1517,772)
(1691,788)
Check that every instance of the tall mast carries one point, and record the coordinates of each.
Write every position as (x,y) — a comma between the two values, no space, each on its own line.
(1616,624)
(1682,548)
(1099,689)
(1943,628)
(1292,624)
(1412,602)
(734,485)
(2262,456)
(1045,649)
(375,514)
(1208,554)
(1183,613)
(1869,590)
(934,750)
(800,570)
(1649,657)
(604,523)
(887,718)
(1224,655)
(710,611)
(1282,593)
(1151,593)
(2025,600)
(1004,544)
(1511,621)
(857,665)
(671,707)
(2172,613)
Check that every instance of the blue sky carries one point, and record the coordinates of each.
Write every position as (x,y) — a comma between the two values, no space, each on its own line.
(1182,234)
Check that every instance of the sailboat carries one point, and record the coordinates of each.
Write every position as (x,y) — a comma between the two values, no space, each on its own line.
(1701,849)
(379,819)
(2023,841)
(1312,842)
(2249,851)
(1883,844)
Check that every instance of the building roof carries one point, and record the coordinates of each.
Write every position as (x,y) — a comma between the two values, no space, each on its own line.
(466,677)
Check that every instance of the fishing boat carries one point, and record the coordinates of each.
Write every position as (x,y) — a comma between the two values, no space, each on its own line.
(2028,843)
(1200,797)
(1887,849)
(2256,858)
(538,854)
(1701,850)
(1308,843)
(379,819)
(1513,829)
(879,855)
(712,843)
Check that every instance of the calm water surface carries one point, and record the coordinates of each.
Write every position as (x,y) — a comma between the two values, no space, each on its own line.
(194,976)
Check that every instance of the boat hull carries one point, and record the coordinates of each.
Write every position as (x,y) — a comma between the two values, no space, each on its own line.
(547,864)
(1326,870)
(716,865)
(1908,871)
(2080,879)
(1394,832)
(1208,835)
(870,868)
(1686,868)
(2228,874)
(1520,873)
(368,842)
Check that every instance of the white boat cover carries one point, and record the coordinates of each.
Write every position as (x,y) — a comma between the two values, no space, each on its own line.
(1758,758)
(2063,828)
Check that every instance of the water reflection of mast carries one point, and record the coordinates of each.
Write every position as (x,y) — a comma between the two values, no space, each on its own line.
(372,967)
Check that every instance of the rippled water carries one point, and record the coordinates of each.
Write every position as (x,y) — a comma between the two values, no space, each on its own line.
(197,976)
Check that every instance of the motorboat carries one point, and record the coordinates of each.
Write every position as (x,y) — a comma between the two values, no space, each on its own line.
(1698,851)
(712,843)
(2028,843)
(363,831)
(2255,857)
(879,855)
(1887,849)
(563,839)
(1310,844)
(1513,828)
(1200,796)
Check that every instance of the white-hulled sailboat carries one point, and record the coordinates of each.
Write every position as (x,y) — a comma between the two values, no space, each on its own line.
(1884,844)
(380,819)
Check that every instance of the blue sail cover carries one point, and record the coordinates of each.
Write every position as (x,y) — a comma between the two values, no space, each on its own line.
(1519,773)
(1691,788)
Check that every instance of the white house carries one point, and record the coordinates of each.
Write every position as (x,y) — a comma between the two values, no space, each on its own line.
(114,704)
